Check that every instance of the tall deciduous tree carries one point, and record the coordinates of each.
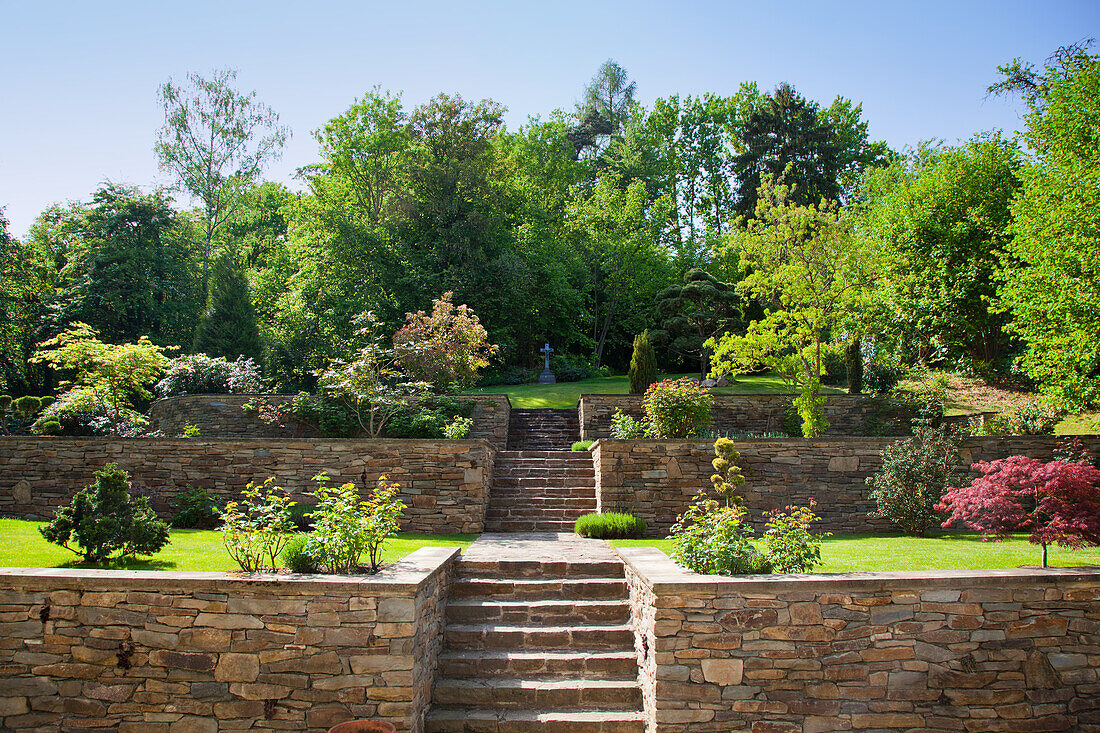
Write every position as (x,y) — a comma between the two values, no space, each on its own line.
(215,141)
(610,95)
(1051,279)
(22,289)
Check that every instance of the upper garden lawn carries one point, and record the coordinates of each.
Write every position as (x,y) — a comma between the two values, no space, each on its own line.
(189,549)
(567,394)
(867,553)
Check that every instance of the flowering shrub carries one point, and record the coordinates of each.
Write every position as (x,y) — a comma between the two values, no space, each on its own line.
(916,471)
(677,408)
(80,412)
(202,374)
(257,528)
(791,547)
(458,428)
(445,348)
(1058,501)
(340,527)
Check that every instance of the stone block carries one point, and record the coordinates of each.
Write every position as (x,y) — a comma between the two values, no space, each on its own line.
(237,668)
(723,671)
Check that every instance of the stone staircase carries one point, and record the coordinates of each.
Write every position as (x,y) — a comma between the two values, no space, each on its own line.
(543,430)
(537,644)
(540,491)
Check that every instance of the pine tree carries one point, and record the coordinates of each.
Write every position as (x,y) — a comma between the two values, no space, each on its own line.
(643,364)
(853,359)
(228,328)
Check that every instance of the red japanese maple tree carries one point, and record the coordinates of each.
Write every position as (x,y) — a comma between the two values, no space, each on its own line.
(1058,501)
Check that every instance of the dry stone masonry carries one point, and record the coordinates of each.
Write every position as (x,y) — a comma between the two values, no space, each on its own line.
(149,652)
(445,483)
(1010,650)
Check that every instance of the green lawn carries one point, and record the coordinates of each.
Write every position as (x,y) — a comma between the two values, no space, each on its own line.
(566,394)
(864,553)
(189,549)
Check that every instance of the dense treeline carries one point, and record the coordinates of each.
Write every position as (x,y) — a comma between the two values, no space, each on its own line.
(583,229)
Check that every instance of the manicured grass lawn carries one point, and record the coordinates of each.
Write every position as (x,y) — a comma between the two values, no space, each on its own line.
(190,549)
(865,553)
(566,394)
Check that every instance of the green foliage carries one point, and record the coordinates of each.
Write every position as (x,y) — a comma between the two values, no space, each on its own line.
(257,528)
(296,558)
(191,431)
(49,427)
(643,365)
(194,508)
(104,519)
(727,476)
(1050,276)
(853,364)
(677,408)
(581,445)
(1034,417)
(5,403)
(810,406)
(610,526)
(110,376)
(27,406)
(811,273)
(881,377)
(627,427)
(458,428)
(345,526)
(701,308)
(833,366)
(916,471)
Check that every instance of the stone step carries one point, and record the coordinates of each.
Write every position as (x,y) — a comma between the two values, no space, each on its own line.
(517,504)
(490,588)
(509,526)
(512,693)
(488,720)
(507,455)
(539,664)
(560,570)
(527,613)
(546,517)
(619,637)
(572,496)
(582,474)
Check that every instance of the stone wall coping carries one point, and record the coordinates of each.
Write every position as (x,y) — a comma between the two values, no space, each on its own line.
(406,576)
(189,395)
(828,439)
(657,571)
(830,395)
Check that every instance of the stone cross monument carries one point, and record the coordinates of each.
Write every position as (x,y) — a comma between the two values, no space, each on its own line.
(547,376)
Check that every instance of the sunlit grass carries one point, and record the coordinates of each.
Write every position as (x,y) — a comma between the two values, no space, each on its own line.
(21,545)
(566,394)
(954,551)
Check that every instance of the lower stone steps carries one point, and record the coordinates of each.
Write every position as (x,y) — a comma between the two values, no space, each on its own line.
(529,525)
(541,636)
(465,720)
(526,693)
(530,588)
(537,664)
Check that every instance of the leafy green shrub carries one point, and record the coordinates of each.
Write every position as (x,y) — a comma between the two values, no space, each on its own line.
(643,364)
(570,368)
(791,546)
(916,471)
(194,508)
(458,428)
(833,364)
(301,515)
(344,526)
(610,526)
(507,376)
(1034,417)
(853,365)
(677,408)
(5,402)
(202,374)
(627,427)
(80,413)
(257,528)
(191,431)
(105,519)
(47,401)
(27,406)
(880,377)
(582,445)
(50,427)
(296,558)
(792,421)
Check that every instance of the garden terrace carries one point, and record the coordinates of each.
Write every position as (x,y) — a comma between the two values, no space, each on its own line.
(959,650)
(658,479)
(445,483)
(147,652)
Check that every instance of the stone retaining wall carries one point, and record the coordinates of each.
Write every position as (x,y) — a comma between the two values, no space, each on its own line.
(222,416)
(1007,650)
(445,483)
(150,652)
(657,480)
(847,414)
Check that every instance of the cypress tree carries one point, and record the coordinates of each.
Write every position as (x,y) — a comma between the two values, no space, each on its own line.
(228,327)
(853,358)
(643,364)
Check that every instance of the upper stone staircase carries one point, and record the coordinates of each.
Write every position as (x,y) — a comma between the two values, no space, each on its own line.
(540,491)
(543,429)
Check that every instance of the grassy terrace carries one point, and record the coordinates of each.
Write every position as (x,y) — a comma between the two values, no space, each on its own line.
(954,551)
(190,549)
(566,394)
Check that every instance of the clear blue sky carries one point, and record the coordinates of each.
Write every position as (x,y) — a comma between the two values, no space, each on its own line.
(78,80)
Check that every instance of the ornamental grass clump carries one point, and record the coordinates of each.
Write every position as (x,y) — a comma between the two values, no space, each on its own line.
(677,408)
(714,537)
(610,526)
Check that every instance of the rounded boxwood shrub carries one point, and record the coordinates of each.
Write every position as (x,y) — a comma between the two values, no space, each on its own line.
(610,526)
(296,559)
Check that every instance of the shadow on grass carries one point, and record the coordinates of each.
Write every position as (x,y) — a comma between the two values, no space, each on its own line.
(120,563)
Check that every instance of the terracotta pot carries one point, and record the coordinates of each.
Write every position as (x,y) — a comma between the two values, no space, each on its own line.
(363,726)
